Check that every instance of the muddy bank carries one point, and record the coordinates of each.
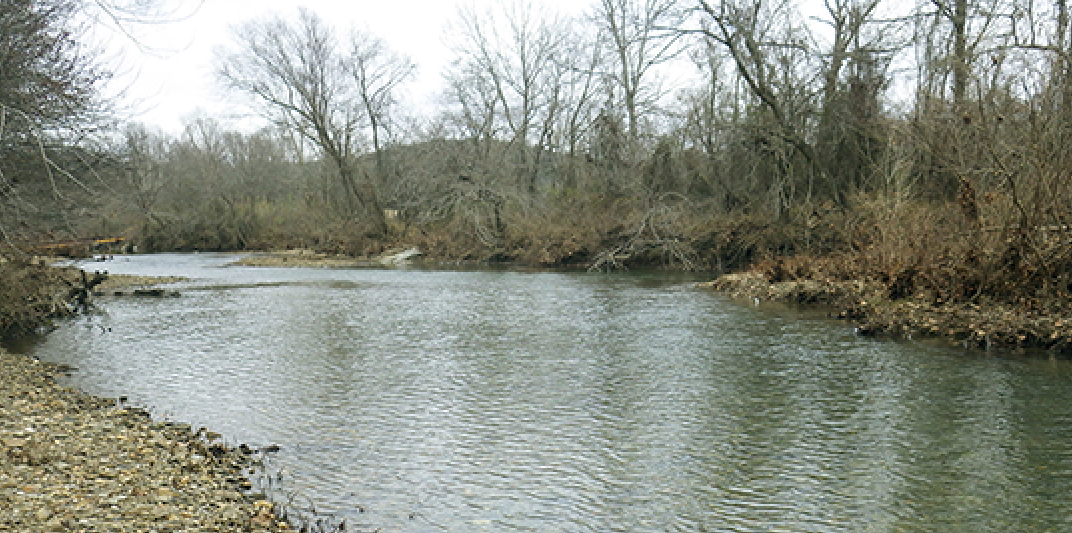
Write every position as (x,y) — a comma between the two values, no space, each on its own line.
(867,305)
(74,462)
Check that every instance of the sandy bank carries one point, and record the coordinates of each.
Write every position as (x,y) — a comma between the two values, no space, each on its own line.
(74,462)
(311,259)
(294,260)
(119,282)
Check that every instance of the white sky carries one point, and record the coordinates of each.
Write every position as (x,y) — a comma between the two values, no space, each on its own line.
(172,77)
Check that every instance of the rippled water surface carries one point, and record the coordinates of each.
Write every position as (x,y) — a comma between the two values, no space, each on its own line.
(421,401)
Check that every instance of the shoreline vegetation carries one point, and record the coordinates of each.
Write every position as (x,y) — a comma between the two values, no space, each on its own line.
(867,304)
(34,294)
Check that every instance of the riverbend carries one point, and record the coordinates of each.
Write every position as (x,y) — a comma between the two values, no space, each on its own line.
(493,400)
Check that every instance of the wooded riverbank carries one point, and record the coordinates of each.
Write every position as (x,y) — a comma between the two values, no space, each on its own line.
(869,307)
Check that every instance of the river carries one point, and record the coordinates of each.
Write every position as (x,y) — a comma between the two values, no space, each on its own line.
(412,400)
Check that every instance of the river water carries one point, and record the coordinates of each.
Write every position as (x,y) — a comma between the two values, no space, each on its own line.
(507,401)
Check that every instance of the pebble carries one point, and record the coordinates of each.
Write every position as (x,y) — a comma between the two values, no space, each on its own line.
(73,462)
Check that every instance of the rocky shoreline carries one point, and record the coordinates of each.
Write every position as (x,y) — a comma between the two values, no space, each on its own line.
(867,304)
(73,462)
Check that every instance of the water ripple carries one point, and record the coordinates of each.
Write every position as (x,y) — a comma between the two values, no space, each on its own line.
(502,401)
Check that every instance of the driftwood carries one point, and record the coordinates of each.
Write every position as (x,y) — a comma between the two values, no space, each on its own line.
(650,236)
(399,258)
(78,295)
(147,293)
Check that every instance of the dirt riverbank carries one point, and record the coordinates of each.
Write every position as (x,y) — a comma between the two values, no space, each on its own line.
(866,304)
(34,294)
(74,462)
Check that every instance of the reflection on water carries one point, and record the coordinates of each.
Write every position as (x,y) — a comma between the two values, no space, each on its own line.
(505,401)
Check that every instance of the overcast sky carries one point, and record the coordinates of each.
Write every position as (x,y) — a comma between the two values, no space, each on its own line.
(169,77)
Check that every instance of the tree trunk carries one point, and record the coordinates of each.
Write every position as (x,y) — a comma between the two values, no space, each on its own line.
(961,61)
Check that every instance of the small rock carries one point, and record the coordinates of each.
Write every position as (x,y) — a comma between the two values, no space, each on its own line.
(72,462)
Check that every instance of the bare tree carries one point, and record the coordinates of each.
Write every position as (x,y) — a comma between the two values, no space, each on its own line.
(767,51)
(378,72)
(47,78)
(297,72)
(577,85)
(515,53)
(477,107)
(145,153)
(48,101)
(954,35)
(854,76)
(642,35)
(1045,35)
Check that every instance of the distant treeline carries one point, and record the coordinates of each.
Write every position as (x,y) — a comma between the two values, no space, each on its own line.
(923,145)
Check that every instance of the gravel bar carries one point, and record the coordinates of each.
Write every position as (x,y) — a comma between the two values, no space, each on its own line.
(74,462)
